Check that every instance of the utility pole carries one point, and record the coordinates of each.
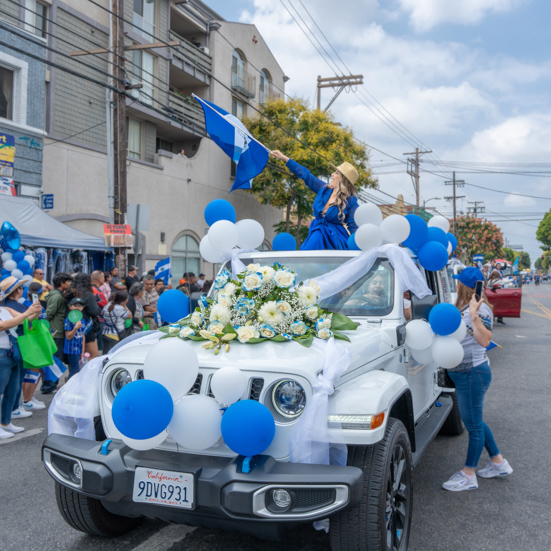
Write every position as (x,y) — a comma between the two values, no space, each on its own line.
(340,82)
(455,183)
(413,171)
(476,209)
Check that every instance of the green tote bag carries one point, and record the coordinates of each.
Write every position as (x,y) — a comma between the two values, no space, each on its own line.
(37,345)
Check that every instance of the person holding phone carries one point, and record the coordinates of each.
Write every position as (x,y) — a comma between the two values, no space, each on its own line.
(472,379)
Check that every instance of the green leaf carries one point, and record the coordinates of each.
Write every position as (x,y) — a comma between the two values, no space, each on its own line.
(342,323)
(279,338)
(164,329)
(229,329)
(340,336)
(195,338)
(306,340)
(255,340)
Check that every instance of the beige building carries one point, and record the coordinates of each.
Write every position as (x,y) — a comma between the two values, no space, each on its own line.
(171,165)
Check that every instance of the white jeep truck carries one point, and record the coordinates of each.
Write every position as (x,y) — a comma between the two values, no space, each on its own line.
(390,408)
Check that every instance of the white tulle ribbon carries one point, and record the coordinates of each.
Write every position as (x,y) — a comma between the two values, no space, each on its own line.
(348,273)
(236,265)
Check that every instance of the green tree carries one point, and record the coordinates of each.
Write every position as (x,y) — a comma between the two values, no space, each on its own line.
(477,236)
(509,254)
(318,130)
(538,263)
(543,233)
(524,261)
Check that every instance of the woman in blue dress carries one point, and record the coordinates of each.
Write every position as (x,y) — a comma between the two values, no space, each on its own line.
(334,205)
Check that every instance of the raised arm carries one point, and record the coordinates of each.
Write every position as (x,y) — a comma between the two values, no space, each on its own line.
(298,170)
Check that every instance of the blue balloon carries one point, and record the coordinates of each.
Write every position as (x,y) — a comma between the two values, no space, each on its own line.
(25,292)
(18,256)
(173,305)
(418,234)
(438,235)
(11,240)
(433,256)
(5,273)
(248,427)
(352,242)
(284,242)
(28,271)
(23,265)
(219,209)
(445,318)
(453,241)
(142,409)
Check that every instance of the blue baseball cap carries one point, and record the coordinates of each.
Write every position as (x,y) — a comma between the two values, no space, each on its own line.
(469,277)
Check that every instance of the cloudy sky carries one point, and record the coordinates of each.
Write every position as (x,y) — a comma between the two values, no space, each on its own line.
(469,79)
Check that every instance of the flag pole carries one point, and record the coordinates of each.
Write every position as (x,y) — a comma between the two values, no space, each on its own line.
(230,122)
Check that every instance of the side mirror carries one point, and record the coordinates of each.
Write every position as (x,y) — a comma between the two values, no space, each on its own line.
(421,307)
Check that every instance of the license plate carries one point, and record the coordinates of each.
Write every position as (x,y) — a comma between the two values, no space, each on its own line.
(163,488)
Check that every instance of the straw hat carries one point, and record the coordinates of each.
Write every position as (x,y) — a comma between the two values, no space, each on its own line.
(348,170)
(9,285)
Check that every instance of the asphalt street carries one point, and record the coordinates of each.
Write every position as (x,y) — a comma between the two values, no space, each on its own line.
(506,514)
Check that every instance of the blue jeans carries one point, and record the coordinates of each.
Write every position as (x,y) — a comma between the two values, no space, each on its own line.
(74,364)
(9,384)
(470,387)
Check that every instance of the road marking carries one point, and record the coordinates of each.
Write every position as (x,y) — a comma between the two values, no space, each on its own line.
(22,435)
(165,538)
(535,314)
(543,308)
(521,336)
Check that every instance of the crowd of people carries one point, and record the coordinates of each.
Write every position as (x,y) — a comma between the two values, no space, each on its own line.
(109,308)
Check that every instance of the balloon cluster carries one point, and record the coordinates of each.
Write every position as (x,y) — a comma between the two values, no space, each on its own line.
(14,262)
(146,411)
(431,242)
(439,340)
(225,233)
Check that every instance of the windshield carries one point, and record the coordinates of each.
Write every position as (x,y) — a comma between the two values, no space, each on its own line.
(371,295)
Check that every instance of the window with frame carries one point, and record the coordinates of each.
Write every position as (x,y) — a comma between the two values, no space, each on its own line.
(143,71)
(237,108)
(35,17)
(237,69)
(265,87)
(134,133)
(6,93)
(143,18)
(185,258)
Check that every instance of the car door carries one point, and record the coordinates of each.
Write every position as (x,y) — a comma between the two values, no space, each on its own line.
(506,302)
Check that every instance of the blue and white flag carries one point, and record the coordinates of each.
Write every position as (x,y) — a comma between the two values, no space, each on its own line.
(55,371)
(162,270)
(228,132)
(515,265)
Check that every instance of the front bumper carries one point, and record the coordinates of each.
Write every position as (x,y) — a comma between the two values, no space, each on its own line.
(223,492)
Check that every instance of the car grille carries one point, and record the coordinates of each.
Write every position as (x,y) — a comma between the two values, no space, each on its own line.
(62,465)
(306,500)
(256,388)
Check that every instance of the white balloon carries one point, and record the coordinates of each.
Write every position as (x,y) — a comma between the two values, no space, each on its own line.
(28,279)
(419,335)
(17,273)
(228,385)
(449,248)
(208,252)
(197,422)
(223,235)
(147,444)
(6,256)
(447,352)
(422,356)
(395,228)
(369,236)
(251,234)
(368,213)
(30,259)
(10,265)
(439,222)
(460,333)
(174,364)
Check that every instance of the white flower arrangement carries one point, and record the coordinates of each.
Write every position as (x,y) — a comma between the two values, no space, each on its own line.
(260,305)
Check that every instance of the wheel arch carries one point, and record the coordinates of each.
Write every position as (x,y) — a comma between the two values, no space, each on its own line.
(402,409)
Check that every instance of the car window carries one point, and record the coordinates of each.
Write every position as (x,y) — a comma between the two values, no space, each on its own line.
(451,280)
(371,295)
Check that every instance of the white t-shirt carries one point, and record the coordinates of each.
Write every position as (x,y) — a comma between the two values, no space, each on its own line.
(4,338)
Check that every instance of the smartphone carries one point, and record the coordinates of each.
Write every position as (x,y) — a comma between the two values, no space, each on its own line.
(34,297)
(479,287)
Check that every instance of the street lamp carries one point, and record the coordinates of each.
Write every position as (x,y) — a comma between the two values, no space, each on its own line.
(431,199)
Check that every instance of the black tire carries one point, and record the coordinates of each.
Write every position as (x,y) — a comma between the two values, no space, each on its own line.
(98,427)
(88,515)
(382,520)
(453,425)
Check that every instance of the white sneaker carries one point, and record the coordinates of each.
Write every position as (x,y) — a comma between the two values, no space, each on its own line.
(460,481)
(33,405)
(12,428)
(5,434)
(20,413)
(492,469)
(35,401)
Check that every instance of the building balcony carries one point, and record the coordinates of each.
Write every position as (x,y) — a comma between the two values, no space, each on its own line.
(194,61)
(187,111)
(267,95)
(244,83)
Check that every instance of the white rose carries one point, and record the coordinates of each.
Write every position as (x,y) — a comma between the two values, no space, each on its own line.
(312,312)
(325,333)
(252,282)
(247,332)
(267,272)
(315,286)
(308,295)
(284,306)
(224,300)
(174,328)
(253,267)
(196,319)
(323,323)
(186,332)
(284,279)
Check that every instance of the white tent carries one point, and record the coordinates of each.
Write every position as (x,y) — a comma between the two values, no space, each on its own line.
(38,229)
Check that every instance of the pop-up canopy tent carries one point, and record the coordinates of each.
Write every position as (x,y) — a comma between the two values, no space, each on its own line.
(38,229)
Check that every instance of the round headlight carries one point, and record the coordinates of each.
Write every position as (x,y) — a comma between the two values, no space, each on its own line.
(289,398)
(119,378)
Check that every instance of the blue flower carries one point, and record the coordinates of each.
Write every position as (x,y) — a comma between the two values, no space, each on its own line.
(252,282)
(299,328)
(221,279)
(287,336)
(277,266)
(243,306)
(323,323)
(267,331)
(203,301)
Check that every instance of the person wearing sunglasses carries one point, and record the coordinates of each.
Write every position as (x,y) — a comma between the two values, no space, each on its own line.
(38,276)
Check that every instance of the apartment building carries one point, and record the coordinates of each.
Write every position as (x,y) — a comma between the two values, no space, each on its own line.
(171,165)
